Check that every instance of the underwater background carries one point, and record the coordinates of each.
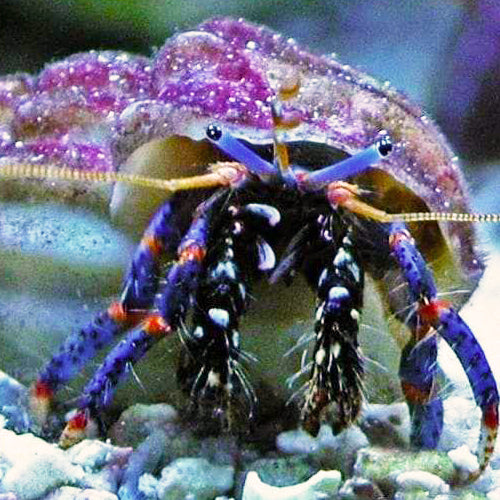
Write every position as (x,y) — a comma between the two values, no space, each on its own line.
(445,55)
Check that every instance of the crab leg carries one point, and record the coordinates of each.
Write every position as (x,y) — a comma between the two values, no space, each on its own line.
(337,368)
(417,372)
(437,315)
(138,294)
(170,308)
(418,366)
(211,370)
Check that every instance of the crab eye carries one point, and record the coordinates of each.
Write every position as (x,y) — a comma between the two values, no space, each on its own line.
(214,132)
(238,151)
(384,145)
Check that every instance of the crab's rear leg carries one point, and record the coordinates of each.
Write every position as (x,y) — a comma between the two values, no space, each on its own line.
(139,287)
(417,371)
(434,315)
(170,307)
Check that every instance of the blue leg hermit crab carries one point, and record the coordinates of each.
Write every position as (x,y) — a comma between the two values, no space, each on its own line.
(270,119)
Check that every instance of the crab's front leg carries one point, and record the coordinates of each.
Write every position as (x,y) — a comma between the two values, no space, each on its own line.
(418,367)
(436,316)
(419,362)
(169,309)
(334,390)
(336,365)
(137,297)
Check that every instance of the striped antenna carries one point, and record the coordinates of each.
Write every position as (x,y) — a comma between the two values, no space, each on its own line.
(441,217)
(221,173)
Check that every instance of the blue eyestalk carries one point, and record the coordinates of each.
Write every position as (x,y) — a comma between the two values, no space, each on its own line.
(354,165)
(238,151)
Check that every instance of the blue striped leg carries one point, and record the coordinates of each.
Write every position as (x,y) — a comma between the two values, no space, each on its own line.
(139,287)
(437,316)
(169,309)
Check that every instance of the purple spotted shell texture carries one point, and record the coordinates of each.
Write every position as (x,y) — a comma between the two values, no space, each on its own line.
(92,110)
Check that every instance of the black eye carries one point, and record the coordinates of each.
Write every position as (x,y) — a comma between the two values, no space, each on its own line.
(384,145)
(214,132)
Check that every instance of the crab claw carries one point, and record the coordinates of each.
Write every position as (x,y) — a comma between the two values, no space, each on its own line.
(41,397)
(79,427)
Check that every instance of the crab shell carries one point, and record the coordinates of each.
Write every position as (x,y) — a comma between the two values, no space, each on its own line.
(114,111)
(228,71)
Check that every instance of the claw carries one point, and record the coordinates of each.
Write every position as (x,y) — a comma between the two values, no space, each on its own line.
(41,398)
(78,428)
(459,336)
(437,315)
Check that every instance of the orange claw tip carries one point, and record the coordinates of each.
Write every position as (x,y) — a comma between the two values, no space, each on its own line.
(42,390)
(40,401)
(120,315)
(154,244)
(78,428)
(117,312)
(78,422)
(415,395)
(396,238)
(192,252)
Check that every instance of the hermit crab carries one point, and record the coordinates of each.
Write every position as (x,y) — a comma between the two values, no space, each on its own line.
(303,167)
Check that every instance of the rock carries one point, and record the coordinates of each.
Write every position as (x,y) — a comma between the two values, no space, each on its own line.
(94,454)
(147,458)
(14,404)
(299,441)
(384,465)
(326,450)
(147,486)
(465,494)
(278,471)
(464,460)
(138,421)
(417,495)
(35,467)
(418,480)
(103,463)
(323,484)
(495,461)
(223,450)
(359,488)
(493,494)
(462,418)
(194,476)
(283,471)
(71,493)
(386,425)
(7,496)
